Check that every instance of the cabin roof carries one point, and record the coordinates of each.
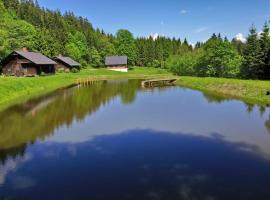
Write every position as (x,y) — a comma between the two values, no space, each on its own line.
(116,60)
(36,58)
(69,61)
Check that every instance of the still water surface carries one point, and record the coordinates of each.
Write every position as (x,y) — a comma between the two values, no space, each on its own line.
(117,141)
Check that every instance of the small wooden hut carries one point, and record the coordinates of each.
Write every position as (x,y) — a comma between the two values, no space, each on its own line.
(117,63)
(24,63)
(66,63)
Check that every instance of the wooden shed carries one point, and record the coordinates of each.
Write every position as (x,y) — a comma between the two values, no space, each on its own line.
(24,63)
(117,63)
(66,63)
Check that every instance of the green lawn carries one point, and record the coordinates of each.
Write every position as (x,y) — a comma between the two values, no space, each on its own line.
(251,91)
(13,89)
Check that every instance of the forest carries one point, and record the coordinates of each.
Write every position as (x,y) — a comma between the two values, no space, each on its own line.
(23,23)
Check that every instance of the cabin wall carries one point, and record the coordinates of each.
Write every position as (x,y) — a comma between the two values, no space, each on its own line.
(29,69)
(47,69)
(13,68)
(61,66)
(119,68)
(21,67)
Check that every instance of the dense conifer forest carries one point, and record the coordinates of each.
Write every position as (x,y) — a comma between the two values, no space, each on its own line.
(25,24)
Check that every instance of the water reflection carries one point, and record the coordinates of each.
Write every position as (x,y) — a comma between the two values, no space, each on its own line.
(115,140)
(142,164)
(39,118)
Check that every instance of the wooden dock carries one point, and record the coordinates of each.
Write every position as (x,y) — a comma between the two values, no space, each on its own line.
(86,81)
(158,82)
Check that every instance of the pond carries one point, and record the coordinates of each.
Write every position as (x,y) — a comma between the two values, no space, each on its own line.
(117,141)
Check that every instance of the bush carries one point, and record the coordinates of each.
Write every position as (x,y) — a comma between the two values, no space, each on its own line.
(220,59)
(74,70)
(185,64)
(61,70)
(42,74)
(84,64)
(156,63)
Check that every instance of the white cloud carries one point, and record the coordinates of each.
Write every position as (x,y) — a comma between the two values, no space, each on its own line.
(202,29)
(260,34)
(154,36)
(183,12)
(241,37)
(192,44)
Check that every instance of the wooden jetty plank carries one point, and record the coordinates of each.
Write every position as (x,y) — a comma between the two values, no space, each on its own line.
(154,82)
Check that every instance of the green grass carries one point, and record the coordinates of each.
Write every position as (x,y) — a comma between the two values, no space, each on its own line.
(13,89)
(250,91)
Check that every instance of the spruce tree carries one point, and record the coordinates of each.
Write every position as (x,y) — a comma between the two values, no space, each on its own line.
(252,65)
(265,48)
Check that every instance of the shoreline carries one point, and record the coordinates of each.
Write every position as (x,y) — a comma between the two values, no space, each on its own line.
(15,90)
(18,90)
(248,91)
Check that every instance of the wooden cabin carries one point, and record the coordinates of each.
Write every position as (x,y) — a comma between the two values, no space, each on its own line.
(24,63)
(66,63)
(117,63)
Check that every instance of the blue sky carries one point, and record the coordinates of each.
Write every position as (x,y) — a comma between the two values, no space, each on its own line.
(194,19)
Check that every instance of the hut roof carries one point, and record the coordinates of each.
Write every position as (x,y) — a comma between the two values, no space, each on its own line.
(36,58)
(116,60)
(69,61)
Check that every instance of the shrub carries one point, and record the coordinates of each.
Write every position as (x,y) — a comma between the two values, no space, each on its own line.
(156,63)
(42,74)
(74,70)
(61,70)
(84,64)
(185,64)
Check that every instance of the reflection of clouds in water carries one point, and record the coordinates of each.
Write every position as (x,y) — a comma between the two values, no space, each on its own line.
(235,124)
(180,166)
(22,182)
(188,187)
(153,195)
(50,154)
(12,165)
(72,150)
(101,150)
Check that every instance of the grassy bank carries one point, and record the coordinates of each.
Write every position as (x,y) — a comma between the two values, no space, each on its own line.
(14,89)
(251,91)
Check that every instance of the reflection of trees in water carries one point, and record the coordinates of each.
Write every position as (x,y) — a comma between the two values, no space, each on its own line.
(215,98)
(11,153)
(267,124)
(262,110)
(37,119)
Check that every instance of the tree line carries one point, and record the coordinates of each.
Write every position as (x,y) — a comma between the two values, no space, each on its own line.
(23,23)
(219,57)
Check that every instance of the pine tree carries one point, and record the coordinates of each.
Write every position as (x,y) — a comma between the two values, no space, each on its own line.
(252,66)
(265,48)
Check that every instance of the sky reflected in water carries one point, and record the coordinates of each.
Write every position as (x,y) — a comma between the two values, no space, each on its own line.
(115,140)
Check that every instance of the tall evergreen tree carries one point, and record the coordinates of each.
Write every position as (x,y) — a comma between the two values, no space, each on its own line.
(265,50)
(252,66)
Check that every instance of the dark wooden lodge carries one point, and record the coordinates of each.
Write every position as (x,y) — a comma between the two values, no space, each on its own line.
(24,63)
(66,63)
